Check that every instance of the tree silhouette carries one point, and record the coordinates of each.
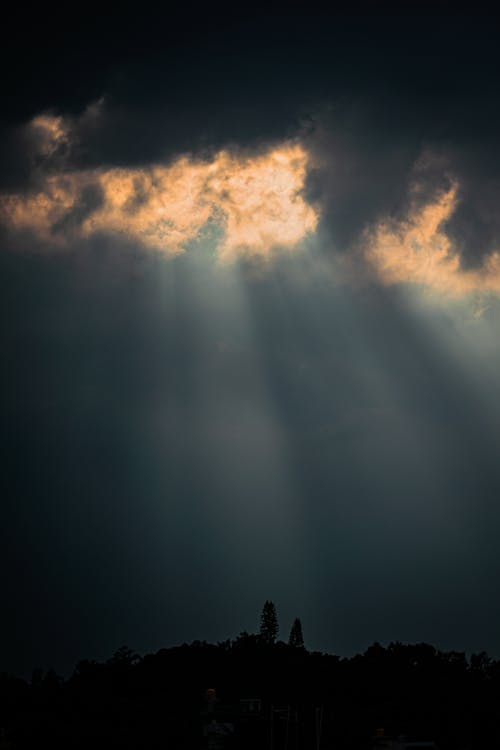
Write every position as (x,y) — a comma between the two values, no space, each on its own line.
(124,657)
(269,627)
(296,638)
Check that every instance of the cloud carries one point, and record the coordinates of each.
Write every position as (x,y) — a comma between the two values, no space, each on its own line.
(256,201)
(370,150)
(50,132)
(418,249)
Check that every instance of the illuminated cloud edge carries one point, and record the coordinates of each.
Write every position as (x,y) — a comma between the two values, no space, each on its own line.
(255,201)
(418,250)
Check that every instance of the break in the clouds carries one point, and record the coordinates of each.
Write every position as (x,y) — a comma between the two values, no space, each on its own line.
(255,201)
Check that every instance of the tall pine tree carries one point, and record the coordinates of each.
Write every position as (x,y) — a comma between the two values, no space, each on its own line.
(296,638)
(269,627)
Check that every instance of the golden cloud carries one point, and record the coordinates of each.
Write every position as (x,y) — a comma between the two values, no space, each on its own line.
(418,250)
(51,133)
(256,201)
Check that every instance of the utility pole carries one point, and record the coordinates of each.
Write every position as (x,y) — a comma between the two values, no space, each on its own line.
(287,727)
(318,723)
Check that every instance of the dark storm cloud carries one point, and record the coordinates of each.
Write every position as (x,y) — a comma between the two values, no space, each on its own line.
(194,80)
(475,225)
(363,171)
(382,88)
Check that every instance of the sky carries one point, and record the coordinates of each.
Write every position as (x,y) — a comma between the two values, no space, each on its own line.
(250,316)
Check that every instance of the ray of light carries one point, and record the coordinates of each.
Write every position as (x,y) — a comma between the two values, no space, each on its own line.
(238,446)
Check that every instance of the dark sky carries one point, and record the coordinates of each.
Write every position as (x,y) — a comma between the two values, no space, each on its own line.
(249,289)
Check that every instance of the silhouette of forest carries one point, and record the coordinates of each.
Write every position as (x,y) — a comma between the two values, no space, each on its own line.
(258,692)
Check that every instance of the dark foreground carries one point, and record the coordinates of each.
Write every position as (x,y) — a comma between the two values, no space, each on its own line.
(245,694)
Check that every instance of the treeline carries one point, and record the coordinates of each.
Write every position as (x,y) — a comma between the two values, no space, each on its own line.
(160,700)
